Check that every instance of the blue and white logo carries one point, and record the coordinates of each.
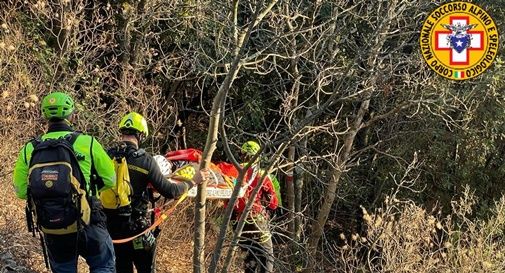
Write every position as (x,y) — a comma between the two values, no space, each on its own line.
(459,39)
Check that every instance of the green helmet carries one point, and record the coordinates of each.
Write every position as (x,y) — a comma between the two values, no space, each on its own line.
(57,105)
(251,147)
(134,121)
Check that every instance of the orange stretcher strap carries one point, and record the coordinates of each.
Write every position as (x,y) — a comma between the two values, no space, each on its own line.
(163,216)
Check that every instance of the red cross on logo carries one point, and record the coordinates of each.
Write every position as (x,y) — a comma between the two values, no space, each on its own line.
(463,58)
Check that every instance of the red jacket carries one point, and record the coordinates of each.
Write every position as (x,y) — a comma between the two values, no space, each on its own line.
(266,197)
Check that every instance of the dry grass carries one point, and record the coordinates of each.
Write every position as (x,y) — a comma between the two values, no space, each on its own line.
(403,237)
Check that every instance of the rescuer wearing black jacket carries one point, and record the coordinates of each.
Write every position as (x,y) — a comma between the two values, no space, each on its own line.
(144,173)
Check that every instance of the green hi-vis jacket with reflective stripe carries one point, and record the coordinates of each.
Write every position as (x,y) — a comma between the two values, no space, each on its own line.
(82,147)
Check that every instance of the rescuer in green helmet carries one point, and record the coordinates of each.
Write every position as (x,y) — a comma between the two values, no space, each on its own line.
(41,168)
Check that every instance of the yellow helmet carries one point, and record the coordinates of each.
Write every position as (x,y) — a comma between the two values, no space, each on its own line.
(251,147)
(134,121)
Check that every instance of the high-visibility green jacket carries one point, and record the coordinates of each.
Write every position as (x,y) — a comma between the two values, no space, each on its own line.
(85,147)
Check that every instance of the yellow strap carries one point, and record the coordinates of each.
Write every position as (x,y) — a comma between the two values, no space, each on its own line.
(164,215)
(61,231)
(138,169)
(40,165)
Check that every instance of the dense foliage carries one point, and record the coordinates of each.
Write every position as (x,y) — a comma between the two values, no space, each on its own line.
(342,82)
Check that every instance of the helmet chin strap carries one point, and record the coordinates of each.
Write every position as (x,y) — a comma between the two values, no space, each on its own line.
(68,119)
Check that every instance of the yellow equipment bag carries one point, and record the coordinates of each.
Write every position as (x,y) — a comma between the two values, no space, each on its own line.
(118,197)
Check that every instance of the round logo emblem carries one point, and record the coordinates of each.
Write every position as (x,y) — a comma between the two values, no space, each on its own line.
(52,100)
(49,183)
(459,40)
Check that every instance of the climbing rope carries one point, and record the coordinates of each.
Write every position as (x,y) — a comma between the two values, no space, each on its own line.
(163,216)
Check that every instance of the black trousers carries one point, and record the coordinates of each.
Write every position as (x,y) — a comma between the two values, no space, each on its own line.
(256,240)
(127,256)
(93,243)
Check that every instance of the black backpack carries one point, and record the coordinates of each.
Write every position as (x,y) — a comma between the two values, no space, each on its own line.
(56,191)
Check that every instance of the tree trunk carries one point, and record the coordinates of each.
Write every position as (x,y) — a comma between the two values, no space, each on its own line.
(324,211)
(210,146)
(349,138)
(239,49)
(329,194)
(62,28)
(138,34)
(123,37)
(247,209)
(224,225)
(290,193)
(299,181)
(290,187)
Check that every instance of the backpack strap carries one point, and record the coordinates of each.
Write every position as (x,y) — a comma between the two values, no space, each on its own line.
(91,153)
(96,181)
(93,173)
(24,154)
(72,137)
(35,142)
